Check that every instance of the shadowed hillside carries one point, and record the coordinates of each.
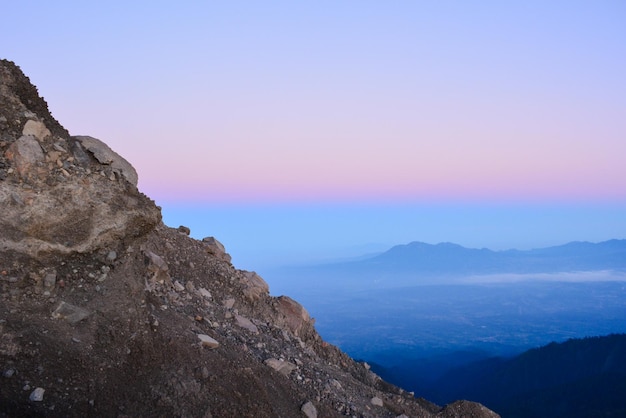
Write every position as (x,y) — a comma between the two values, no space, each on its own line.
(578,378)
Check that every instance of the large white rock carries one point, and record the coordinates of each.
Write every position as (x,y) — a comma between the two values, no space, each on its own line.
(207,341)
(105,155)
(35,128)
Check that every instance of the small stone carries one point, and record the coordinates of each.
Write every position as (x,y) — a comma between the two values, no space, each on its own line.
(205,293)
(58,147)
(37,395)
(247,324)
(111,256)
(207,341)
(376,401)
(158,267)
(178,286)
(50,280)
(229,303)
(9,373)
(335,384)
(309,410)
(281,366)
(184,230)
(70,313)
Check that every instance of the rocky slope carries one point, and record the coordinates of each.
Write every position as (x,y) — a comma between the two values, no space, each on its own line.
(105,311)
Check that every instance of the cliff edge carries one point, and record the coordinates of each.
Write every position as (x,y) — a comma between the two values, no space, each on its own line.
(105,311)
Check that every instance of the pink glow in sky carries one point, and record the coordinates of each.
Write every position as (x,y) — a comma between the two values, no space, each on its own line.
(350,101)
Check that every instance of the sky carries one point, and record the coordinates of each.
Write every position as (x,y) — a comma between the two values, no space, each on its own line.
(299,131)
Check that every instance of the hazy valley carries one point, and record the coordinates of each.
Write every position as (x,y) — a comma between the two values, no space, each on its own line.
(412,313)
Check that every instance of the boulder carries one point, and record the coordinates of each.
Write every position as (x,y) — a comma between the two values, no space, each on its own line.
(24,154)
(61,194)
(216,248)
(293,315)
(254,285)
(36,128)
(105,155)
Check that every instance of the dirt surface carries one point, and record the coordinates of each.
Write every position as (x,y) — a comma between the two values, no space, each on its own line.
(112,326)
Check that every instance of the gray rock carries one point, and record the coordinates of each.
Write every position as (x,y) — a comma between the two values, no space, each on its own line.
(207,341)
(293,315)
(107,156)
(309,410)
(24,154)
(229,303)
(158,267)
(246,323)
(254,285)
(216,248)
(376,401)
(36,129)
(281,366)
(50,280)
(37,395)
(70,313)
(79,153)
(79,215)
(206,294)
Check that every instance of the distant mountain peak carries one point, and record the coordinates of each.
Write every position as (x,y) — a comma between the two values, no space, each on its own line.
(419,262)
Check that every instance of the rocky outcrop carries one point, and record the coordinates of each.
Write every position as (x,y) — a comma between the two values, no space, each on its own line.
(61,194)
(105,311)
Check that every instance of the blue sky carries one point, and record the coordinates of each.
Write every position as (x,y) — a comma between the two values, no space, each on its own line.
(260,237)
(296,131)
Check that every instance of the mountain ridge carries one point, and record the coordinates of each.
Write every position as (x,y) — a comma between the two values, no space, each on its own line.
(579,377)
(450,259)
(542,379)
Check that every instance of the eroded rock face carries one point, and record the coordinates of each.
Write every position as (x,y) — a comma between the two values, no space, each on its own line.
(61,194)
